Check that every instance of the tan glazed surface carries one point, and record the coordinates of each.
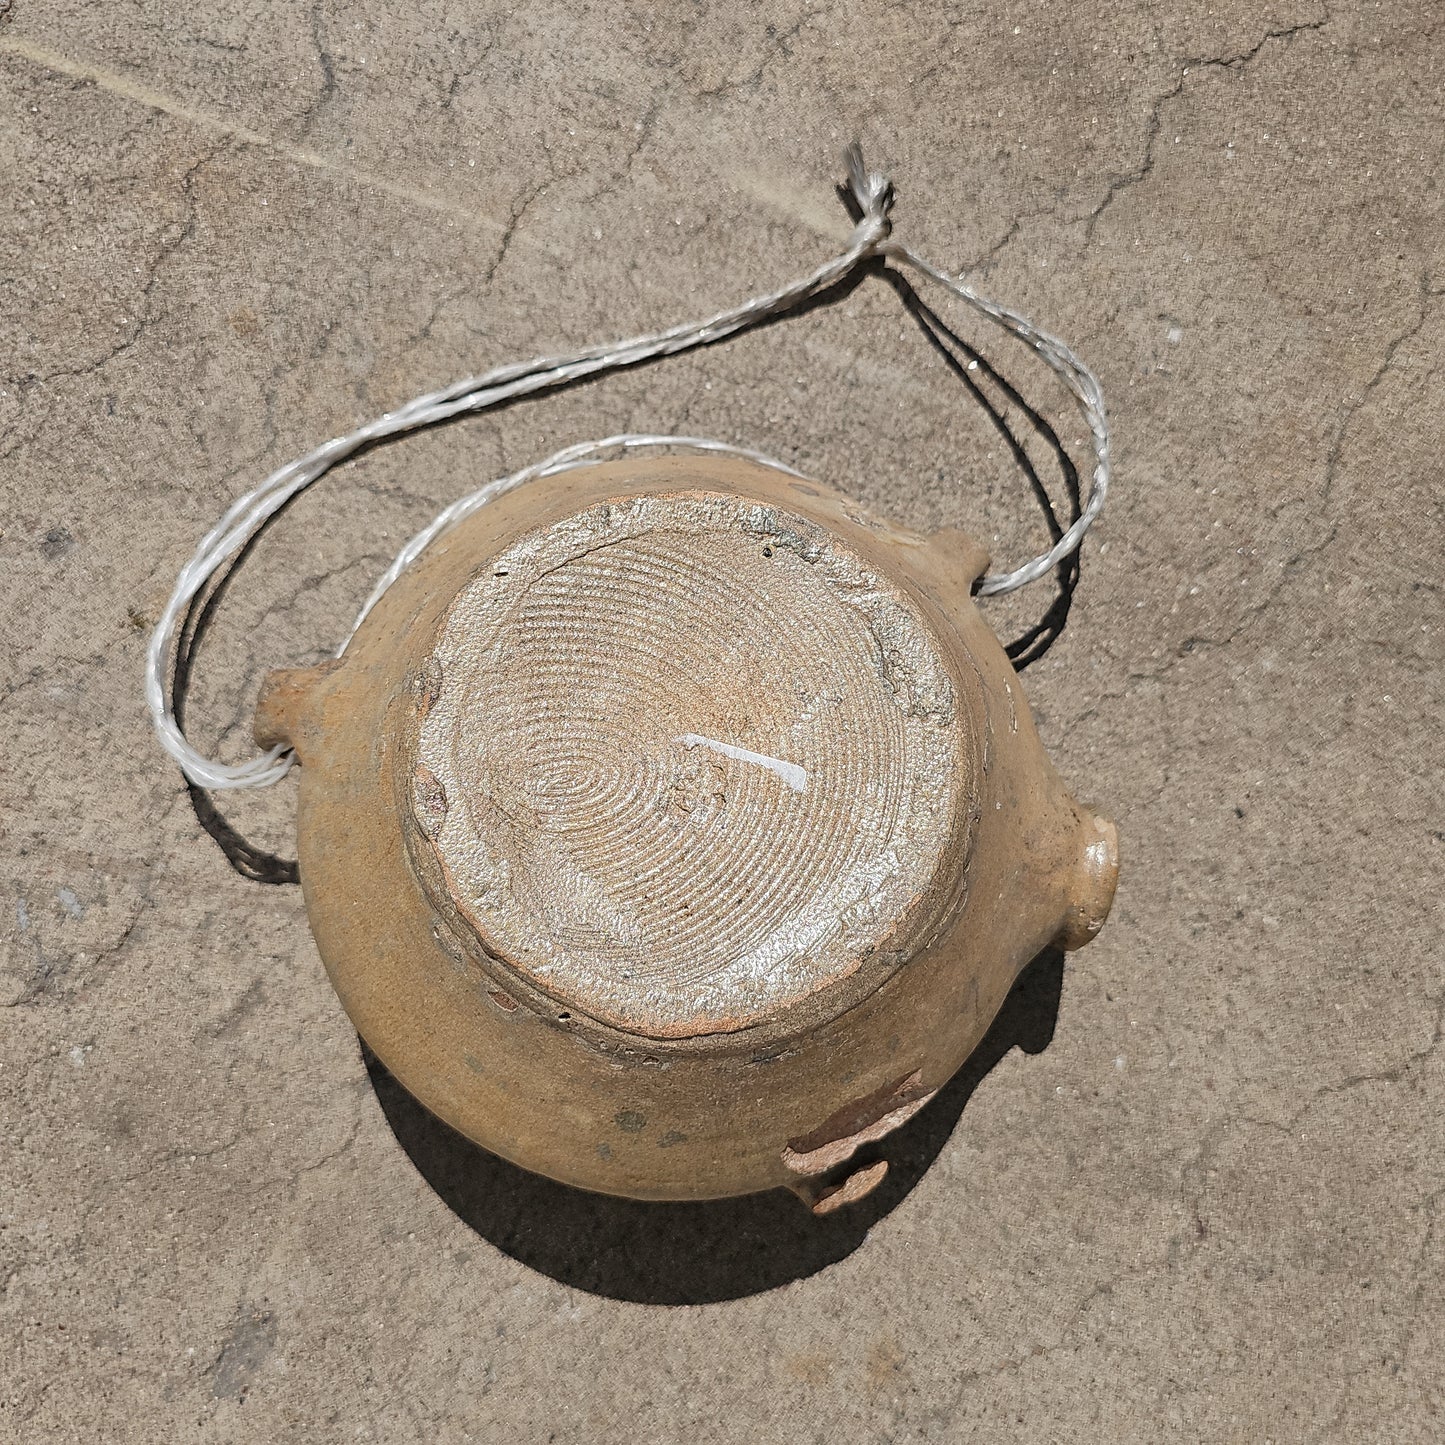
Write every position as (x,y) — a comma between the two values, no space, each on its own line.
(675,828)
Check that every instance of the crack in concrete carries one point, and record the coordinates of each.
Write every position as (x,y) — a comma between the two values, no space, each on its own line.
(461,76)
(1394,1075)
(49,972)
(513,223)
(1352,410)
(141,94)
(325,64)
(145,313)
(778,46)
(1155,122)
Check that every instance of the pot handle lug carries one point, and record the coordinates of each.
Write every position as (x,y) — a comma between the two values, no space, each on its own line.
(1091,889)
(955,556)
(286,708)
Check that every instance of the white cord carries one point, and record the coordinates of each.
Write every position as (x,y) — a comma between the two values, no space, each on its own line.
(873,194)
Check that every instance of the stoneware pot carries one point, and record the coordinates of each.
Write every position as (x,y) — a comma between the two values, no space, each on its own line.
(674,828)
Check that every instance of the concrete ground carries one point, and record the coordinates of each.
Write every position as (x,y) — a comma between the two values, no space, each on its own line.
(1192,1187)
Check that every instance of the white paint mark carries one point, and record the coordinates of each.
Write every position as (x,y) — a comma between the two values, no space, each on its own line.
(794,776)
(70,903)
(77,1056)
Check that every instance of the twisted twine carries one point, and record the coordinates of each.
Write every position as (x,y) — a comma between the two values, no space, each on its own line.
(872,196)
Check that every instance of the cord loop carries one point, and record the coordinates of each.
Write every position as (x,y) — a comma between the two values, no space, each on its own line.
(872,195)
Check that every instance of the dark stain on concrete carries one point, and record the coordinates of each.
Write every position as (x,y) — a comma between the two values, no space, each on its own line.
(252,1338)
(57,541)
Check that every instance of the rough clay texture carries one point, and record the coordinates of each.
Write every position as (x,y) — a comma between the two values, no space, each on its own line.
(589,828)
(1202,1200)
